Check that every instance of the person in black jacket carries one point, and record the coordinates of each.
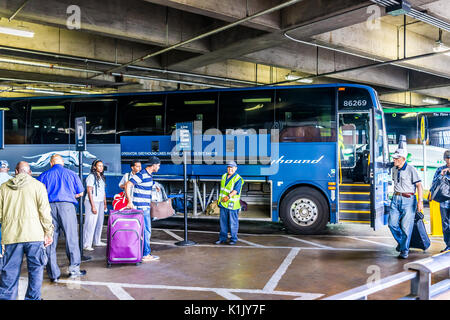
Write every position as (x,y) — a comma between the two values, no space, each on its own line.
(444,206)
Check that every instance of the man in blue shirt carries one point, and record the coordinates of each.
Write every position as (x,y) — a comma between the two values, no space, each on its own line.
(63,187)
(444,206)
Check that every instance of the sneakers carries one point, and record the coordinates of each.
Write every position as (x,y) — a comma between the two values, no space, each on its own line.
(88,248)
(220,242)
(100,244)
(75,274)
(403,255)
(232,243)
(149,258)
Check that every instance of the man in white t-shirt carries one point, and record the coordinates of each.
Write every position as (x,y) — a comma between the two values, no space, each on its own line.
(136,167)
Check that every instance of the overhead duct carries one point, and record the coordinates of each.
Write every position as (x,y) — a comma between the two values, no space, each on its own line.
(397,7)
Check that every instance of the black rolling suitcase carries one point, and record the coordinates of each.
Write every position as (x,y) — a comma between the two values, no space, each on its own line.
(419,236)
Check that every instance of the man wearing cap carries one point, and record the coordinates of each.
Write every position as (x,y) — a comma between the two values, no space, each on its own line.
(404,204)
(229,203)
(444,206)
(141,198)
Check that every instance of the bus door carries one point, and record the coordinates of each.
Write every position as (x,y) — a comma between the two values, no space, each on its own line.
(353,161)
(377,170)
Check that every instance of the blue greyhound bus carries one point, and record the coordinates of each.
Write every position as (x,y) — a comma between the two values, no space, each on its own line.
(310,155)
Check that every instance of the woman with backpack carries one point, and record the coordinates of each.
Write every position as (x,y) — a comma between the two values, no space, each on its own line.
(95,206)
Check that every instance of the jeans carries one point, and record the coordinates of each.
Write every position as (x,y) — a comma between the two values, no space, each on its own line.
(401,220)
(36,260)
(229,222)
(445,216)
(64,219)
(147,231)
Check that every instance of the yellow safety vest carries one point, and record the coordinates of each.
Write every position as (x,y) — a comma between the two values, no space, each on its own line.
(234,202)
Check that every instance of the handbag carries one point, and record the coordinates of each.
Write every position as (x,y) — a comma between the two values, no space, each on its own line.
(441,192)
(120,201)
(162,209)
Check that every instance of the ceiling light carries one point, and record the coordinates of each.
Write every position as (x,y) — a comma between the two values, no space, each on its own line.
(440,47)
(24,62)
(80,92)
(292,77)
(258,106)
(17,32)
(430,101)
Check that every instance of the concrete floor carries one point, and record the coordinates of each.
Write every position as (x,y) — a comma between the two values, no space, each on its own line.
(267,263)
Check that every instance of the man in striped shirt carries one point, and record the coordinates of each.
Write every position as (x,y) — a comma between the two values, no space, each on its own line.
(141,199)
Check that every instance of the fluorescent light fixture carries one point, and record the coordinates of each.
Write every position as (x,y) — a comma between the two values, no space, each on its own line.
(257,100)
(200,102)
(17,32)
(409,115)
(24,62)
(80,92)
(46,91)
(430,101)
(440,47)
(298,79)
(259,106)
(148,104)
(47,108)
(4,109)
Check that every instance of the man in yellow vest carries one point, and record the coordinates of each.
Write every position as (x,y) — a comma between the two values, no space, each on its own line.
(229,203)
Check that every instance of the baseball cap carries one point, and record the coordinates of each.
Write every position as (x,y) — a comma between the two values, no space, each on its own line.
(153,160)
(4,164)
(447,154)
(231,164)
(399,153)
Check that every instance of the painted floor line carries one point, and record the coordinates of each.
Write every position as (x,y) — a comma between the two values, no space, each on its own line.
(275,279)
(370,241)
(119,292)
(309,242)
(170,233)
(252,243)
(271,247)
(308,296)
(227,294)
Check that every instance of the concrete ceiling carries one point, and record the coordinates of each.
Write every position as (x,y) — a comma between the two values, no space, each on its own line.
(326,40)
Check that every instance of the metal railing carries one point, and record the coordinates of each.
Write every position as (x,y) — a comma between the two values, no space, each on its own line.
(418,272)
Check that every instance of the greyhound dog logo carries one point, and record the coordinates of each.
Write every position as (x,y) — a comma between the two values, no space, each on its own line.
(70,157)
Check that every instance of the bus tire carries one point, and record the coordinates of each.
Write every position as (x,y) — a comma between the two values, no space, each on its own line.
(304,210)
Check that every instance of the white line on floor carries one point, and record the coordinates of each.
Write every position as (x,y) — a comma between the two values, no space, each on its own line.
(273,282)
(251,243)
(267,247)
(309,242)
(119,292)
(170,233)
(309,296)
(370,241)
(227,294)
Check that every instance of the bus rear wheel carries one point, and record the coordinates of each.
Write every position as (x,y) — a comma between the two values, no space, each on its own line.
(304,211)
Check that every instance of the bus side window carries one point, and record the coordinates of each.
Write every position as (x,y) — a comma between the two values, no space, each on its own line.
(49,122)
(141,115)
(15,115)
(306,114)
(100,119)
(195,106)
(249,109)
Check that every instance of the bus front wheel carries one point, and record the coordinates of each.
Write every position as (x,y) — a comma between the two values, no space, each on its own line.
(304,211)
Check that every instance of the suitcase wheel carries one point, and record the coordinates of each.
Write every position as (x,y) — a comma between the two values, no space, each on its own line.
(138,263)
(108,265)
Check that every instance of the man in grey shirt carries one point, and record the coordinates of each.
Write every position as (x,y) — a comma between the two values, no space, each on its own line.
(404,204)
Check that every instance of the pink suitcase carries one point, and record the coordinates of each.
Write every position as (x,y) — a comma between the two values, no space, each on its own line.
(125,236)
